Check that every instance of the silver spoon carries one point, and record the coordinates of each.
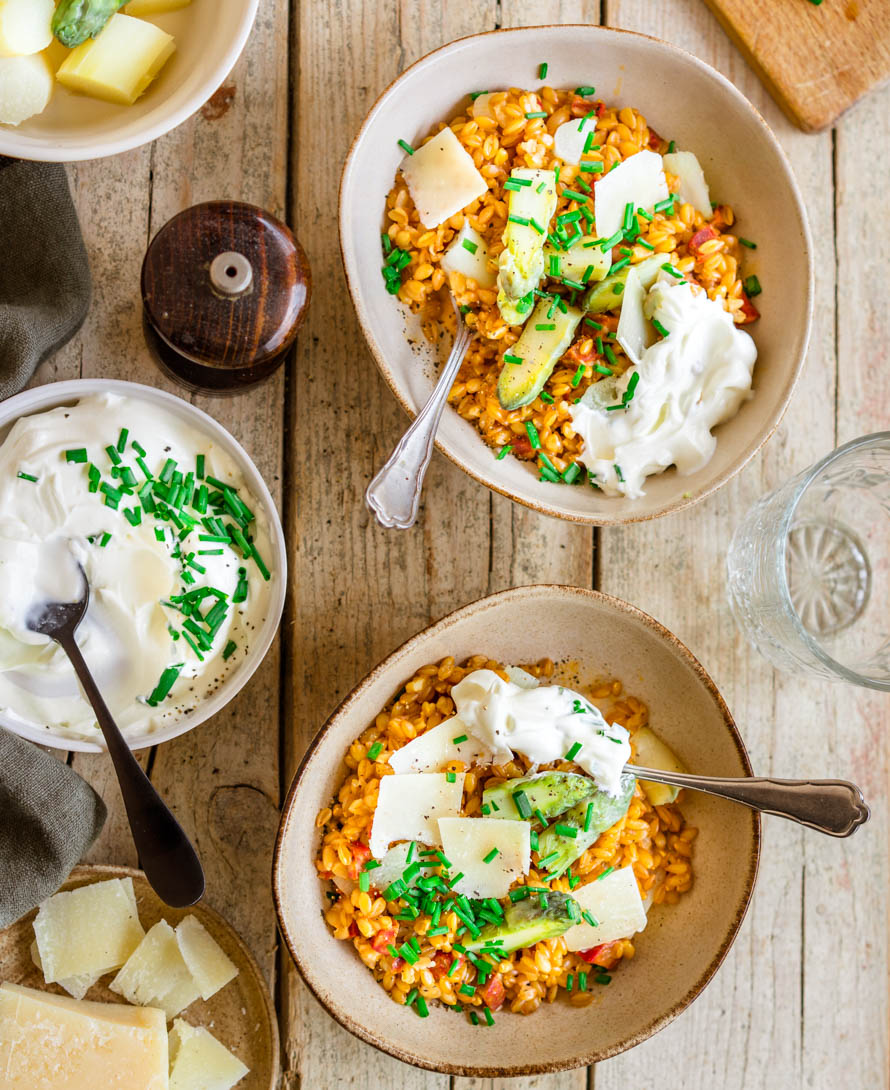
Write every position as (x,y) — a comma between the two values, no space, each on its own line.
(835,807)
(394,495)
(165,852)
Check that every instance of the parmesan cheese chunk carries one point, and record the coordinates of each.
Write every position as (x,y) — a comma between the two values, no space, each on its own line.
(468,255)
(615,903)
(87,931)
(693,187)
(570,138)
(442,178)
(638,180)
(25,26)
(635,332)
(409,806)
(433,749)
(468,842)
(51,1042)
(156,974)
(206,961)
(199,1062)
(76,986)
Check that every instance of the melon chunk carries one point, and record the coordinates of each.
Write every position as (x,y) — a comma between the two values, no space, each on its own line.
(26,86)
(25,26)
(120,64)
(154,7)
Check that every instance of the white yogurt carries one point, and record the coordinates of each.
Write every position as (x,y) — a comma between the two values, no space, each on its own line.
(689,382)
(543,724)
(49,526)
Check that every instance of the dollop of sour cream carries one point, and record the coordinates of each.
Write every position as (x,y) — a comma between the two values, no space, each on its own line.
(543,723)
(130,634)
(693,379)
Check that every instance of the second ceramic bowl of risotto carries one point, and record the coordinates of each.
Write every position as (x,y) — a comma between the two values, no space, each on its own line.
(686,101)
(590,637)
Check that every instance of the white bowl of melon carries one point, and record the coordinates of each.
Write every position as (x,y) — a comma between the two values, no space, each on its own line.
(84,79)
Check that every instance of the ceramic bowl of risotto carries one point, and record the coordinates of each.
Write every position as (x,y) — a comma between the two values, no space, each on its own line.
(535,173)
(423,971)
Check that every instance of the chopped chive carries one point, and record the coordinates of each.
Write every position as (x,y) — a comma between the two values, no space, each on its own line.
(489,1017)
(544,863)
(588,817)
(113,455)
(133,516)
(79,455)
(469,245)
(451,777)
(588,144)
(542,70)
(619,265)
(578,375)
(574,195)
(537,227)
(460,738)
(513,185)
(364,881)
(628,215)
(535,114)
(104,539)
(752,286)
(672,147)
(504,451)
(542,901)
(467,989)
(492,855)
(541,187)
(475,94)
(456,879)
(747,242)
(646,245)
(609,354)
(543,395)
(669,268)
(589,918)
(570,472)
(592,168)
(566,830)
(582,981)
(374,751)
(509,358)
(545,326)
(573,752)
(608,870)
(667,205)
(405,146)
(664,332)
(523,806)
(601,369)
(604,978)
(230,648)
(613,240)
(122,440)
(518,219)
(646,215)
(585,92)
(26,477)
(570,982)
(618,472)
(533,436)
(162,690)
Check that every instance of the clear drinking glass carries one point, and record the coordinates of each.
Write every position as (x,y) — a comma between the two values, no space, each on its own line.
(809,568)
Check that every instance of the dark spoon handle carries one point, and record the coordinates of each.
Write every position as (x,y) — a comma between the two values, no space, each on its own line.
(165,852)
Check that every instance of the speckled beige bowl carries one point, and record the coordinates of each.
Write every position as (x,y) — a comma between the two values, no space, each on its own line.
(592,636)
(683,99)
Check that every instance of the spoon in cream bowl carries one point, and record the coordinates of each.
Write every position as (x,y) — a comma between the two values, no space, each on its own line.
(165,852)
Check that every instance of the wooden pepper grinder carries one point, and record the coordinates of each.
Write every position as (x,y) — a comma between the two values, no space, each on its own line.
(225,287)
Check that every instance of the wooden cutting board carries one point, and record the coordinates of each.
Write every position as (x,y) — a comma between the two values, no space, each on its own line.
(816,60)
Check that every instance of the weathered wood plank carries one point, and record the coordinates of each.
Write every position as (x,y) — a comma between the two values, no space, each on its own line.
(359,590)
(745,1031)
(845,903)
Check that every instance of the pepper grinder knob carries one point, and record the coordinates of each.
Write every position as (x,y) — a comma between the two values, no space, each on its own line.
(225,287)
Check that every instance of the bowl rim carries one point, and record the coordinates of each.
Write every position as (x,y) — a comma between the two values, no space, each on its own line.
(80,152)
(363,312)
(344,708)
(47,396)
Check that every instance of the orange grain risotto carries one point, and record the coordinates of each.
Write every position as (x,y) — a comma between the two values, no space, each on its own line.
(602,283)
(486,850)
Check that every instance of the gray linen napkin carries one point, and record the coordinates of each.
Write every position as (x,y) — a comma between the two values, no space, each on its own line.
(49,817)
(44,273)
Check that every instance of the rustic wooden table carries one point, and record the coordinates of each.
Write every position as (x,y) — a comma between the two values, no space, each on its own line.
(802,999)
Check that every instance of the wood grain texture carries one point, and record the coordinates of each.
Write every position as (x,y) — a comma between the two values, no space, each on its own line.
(817,60)
(801,1001)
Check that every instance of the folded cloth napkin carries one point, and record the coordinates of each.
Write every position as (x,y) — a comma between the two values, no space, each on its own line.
(44,273)
(49,817)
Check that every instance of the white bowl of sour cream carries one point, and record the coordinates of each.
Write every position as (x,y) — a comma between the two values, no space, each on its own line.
(180,541)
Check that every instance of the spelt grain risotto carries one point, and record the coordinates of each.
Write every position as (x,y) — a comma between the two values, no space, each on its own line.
(602,283)
(485,848)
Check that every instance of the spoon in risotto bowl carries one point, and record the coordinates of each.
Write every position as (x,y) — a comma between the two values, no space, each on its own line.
(393,496)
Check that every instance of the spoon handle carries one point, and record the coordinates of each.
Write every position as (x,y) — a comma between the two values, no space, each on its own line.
(165,852)
(835,807)
(394,494)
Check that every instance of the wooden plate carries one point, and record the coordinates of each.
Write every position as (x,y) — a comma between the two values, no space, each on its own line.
(240,1015)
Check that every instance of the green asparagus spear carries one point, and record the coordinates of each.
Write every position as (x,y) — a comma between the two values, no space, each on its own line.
(77,20)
